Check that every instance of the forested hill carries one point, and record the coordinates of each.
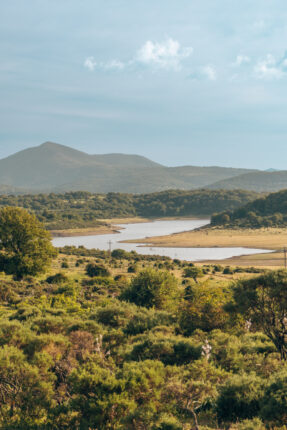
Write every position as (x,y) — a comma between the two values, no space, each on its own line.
(83,209)
(267,211)
(51,167)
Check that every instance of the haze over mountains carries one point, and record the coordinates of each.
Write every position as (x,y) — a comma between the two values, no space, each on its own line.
(51,167)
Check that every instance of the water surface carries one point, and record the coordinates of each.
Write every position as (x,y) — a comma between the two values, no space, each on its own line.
(155,228)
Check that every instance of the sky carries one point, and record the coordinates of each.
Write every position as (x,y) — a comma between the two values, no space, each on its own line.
(197,82)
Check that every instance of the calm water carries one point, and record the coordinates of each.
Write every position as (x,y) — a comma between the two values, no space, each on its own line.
(155,228)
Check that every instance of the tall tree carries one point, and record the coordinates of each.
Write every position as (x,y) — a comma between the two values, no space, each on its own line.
(25,245)
(263,303)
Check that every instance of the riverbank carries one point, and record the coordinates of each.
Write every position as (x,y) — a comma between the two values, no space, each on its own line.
(271,238)
(271,260)
(268,238)
(111,226)
(107,226)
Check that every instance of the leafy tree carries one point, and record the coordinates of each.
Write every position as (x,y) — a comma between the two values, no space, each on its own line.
(263,301)
(193,273)
(119,254)
(158,289)
(203,309)
(25,244)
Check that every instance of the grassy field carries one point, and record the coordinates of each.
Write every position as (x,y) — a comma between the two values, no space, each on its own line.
(120,267)
(273,239)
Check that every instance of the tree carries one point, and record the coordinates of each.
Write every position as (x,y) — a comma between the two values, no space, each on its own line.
(25,244)
(151,288)
(203,308)
(263,302)
(193,273)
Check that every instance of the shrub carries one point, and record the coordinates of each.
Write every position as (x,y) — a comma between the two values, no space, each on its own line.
(58,278)
(158,289)
(93,270)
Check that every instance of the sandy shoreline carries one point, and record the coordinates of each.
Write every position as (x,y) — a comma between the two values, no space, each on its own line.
(269,239)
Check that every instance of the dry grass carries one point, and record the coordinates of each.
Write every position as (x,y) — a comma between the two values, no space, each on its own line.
(85,231)
(269,238)
(274,239)
(130,220)
(272,260)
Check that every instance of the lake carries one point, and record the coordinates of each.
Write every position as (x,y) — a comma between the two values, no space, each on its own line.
(155,228)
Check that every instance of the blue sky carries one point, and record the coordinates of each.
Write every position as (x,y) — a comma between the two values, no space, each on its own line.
(199,82)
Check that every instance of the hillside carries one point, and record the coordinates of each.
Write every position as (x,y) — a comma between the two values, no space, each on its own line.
(254,181)
(51,167)
(268,211)
(83,209)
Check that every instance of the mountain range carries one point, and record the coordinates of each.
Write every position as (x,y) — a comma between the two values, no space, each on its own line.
(52,167)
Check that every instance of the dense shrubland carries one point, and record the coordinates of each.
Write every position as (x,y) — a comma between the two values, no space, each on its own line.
(83,209)
(154,348)
(122,341)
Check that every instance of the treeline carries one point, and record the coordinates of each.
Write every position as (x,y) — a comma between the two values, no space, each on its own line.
(83,209)
(267,211)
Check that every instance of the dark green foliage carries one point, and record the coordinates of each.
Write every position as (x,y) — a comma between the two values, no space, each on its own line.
(83,209)
(65,264)
(193,273)
(268,211)
(93,270)
(240,398)
(119,254)
(263,301)
(171,351)
(132,269)
(274,401)
(58,278)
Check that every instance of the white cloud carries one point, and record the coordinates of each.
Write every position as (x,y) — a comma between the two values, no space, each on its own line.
(167,55)
(269,68)
(92,64)
(209,72)
(240,60)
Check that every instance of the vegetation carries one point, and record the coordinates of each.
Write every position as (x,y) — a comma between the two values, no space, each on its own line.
(25,245)
(83,209)
(92,345)
(149,349)
(268,211)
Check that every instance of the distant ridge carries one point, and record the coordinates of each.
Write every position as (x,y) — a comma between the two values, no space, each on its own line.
(254,181)
(52,167)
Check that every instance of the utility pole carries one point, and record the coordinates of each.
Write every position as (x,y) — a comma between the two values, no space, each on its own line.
(110,246)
